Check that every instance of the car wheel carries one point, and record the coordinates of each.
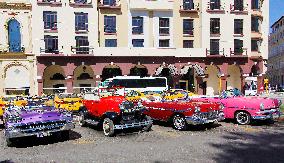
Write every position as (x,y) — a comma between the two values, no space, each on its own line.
(179,122)
(149,126)
(81,119)
(108,127)
(242,118)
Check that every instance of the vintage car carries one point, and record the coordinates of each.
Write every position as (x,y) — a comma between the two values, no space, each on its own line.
(245,109)
(35,121)
(67,101)
(181,114)
(112,112)
(136,96)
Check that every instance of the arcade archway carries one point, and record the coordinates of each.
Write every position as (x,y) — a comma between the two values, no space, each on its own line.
(139,70)
(189,77)
(83,79)
(234,77)
(212,81)
(168,71)
(17,80)
(111,71)
(54,80)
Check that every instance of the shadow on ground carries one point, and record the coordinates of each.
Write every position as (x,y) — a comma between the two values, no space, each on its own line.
(251,147)
(202,127)
(33,141)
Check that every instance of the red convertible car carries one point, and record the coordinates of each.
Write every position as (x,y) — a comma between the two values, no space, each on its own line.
(183,113)
(109,109)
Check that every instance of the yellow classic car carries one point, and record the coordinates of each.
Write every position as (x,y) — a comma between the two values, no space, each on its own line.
(70,102)
(137,95)
(177,94)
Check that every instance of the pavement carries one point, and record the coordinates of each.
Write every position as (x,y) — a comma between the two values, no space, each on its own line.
(223,142)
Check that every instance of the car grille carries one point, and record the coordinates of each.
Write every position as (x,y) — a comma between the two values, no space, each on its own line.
(41,126)
(208,115)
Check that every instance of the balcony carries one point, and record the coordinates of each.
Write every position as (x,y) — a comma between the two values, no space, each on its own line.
(243,52)
(239,9)
(49,2)
(50,52)
(215,53)
(163,5)
(256,12)
(189,8)
(256,35)
(110,4)
(82,50)
(215,8)
(80,3)
(256,55)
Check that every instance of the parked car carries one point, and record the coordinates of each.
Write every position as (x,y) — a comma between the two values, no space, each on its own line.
(112,112)
(67,101)
(245,109)
(38,122)
(184,113)
(140,96)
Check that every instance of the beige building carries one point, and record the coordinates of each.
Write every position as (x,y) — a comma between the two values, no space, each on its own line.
(276,53)
(17,62)
(204,46)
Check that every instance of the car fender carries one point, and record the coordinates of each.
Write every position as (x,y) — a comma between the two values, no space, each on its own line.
(111,115)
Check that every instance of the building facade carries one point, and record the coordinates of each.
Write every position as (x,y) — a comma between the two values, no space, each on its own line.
(275,70)
(17,62)
(201,45)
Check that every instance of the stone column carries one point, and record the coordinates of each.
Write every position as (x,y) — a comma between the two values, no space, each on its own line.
(40,86)
(260,84)
(69,84)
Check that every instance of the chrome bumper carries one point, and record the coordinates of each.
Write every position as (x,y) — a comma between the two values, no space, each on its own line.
(197,119)
(132,125)
(17,133)
(275,115)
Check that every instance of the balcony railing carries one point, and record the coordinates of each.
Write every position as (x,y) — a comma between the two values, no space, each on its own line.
(115,4)
(80,3)
(215,8)
(189,7)
(82,50)
(215,53)
(49,2)
(49,51)
(239,9)
(6,49)
(241,52)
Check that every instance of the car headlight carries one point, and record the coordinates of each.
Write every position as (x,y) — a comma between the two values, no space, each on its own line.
(262,106)
(197,109)
(279,103)
(221,106)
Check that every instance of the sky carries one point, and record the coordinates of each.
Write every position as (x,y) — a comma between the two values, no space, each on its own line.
(276,10)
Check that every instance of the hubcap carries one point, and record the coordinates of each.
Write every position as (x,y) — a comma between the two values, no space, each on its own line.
(242,118)
(179,122)
(81,118)
(106,127)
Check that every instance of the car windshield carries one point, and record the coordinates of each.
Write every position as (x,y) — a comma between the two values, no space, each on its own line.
(231,93)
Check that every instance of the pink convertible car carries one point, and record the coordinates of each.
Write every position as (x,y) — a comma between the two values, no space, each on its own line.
(245,109)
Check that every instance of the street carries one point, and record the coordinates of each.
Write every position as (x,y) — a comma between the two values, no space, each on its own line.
(223,142)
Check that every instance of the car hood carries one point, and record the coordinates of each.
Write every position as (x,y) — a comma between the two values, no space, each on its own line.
(35,115)
(250,102)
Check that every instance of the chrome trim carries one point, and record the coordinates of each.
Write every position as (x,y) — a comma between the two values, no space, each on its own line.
(197,119)
(273,115)
(14,132)
(132,125)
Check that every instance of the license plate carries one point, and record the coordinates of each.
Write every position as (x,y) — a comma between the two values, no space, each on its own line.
(42,134)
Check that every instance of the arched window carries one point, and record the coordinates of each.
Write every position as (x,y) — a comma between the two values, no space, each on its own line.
(14,35)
